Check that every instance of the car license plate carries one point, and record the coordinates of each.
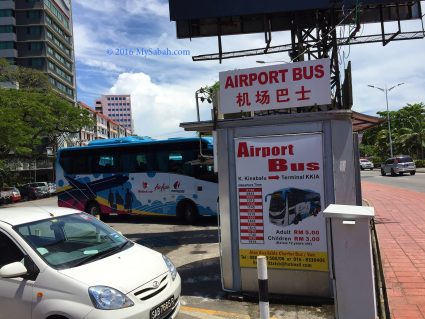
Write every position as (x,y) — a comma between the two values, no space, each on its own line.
(162,309)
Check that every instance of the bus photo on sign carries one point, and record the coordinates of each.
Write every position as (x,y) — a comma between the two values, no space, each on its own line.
(292,205)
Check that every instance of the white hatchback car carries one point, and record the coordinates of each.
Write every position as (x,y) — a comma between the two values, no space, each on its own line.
(59,263)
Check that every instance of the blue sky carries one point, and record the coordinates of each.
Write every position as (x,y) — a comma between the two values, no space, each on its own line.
(163,87)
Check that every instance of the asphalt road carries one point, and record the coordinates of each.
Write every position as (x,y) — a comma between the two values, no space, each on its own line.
(415,182)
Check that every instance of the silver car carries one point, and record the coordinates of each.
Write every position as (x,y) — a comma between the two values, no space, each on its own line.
(398,165)
(365,164)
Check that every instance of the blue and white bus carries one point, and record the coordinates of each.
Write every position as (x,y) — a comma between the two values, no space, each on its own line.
(291,205)
(135,175)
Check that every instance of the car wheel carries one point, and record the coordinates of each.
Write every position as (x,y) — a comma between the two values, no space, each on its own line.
(190,213)
(393,173)
(371,169)
(413,173)
(400,173)
(361,168)
(383,172)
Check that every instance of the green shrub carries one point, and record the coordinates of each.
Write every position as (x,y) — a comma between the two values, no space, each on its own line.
(420,163)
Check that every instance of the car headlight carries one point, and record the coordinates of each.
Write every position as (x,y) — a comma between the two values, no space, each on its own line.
(170,266)
(107,298)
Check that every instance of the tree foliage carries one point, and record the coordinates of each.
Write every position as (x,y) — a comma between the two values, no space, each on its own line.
(4,173)
(34,115)
(207,92)
(407,132)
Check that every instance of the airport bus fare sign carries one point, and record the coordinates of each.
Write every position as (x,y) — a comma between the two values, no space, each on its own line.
(280,200)
(275,87)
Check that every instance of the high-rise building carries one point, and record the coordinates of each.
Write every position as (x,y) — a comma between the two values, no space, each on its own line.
(38,34)
(118,108)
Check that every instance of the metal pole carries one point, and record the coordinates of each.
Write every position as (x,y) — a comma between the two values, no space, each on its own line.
(35,170)
(386,90)
(389,123)
(197,106)
(263,287)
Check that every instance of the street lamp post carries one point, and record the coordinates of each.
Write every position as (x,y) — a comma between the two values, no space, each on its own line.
(388,112)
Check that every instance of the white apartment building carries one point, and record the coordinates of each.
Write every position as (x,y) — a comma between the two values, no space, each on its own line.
(117,108)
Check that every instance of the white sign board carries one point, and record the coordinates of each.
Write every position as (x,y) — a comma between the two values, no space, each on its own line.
(280,190)
(275,87)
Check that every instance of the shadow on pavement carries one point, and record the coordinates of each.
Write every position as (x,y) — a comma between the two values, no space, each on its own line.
(380,220)
(159,220)
(166,242)
(202,279)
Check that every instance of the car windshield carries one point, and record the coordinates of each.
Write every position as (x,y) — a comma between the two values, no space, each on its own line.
(71,240)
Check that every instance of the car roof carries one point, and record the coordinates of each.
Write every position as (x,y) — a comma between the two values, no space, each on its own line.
(27,214)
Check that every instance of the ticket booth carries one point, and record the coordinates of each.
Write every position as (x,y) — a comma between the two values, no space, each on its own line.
(276,176)
(277,172)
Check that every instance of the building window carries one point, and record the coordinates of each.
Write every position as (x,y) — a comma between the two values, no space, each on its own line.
(35,46)
(37,62)
(34,30)
(57,13)
(7,45)
(6,13)
(109,99)
(7,29)
(33,14)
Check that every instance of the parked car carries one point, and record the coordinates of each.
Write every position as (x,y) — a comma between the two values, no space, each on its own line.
(398,165)
(63,263)
(41,189)
(28,192)
(365,164)
(12,193)
(5,196)
(51,188)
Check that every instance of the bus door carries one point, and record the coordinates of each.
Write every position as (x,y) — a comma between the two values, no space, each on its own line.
(291,204)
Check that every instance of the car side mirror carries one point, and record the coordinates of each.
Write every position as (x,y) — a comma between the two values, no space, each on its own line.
(13,270)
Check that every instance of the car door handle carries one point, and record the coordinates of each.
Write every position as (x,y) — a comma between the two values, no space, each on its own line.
(199,188)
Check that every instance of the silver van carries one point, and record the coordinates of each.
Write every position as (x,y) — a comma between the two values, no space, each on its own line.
(398,165)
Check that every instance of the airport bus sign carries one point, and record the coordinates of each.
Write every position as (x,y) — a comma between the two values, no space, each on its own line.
(278,86)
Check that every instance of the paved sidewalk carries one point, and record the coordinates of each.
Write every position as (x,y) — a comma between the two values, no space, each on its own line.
(400,225)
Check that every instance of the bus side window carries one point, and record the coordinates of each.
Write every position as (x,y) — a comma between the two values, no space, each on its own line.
(75,163)
(175,162)
(161,161)
(104,164)
(141,163)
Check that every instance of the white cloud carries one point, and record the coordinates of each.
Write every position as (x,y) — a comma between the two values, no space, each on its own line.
(157,109)
(131,7)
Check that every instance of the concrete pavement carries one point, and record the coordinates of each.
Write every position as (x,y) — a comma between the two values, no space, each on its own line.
(400,227)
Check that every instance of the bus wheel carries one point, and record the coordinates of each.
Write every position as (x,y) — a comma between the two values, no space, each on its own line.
(190,213)
(93,209)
